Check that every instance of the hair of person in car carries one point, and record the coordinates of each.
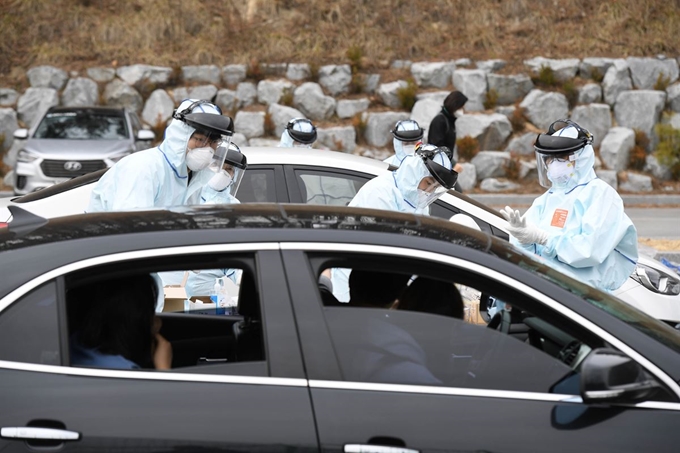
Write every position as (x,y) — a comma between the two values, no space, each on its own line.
(432,296)
(375,289)
(116,317)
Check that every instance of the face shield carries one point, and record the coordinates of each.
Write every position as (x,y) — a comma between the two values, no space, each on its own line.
(302,132)
(234,165)
(211,130)
(441,176)
(557,151)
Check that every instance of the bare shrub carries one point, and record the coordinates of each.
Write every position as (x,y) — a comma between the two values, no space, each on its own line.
(407,95)
(468,147)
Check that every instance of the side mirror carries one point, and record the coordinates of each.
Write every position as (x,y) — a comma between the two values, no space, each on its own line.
(21,134)
(609,376)
(145,135)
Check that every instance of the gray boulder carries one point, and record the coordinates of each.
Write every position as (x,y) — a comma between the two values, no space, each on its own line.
(8,124)
(438,96)
(102,75)
(311,101)
(616,80)
(646,71)
(490,164)
(594,67)
(271,91)
(240,140)
(342,138)
(274,69)
(226,99)
(636,183)
(616,147)
(298,71)
(8,97)
(281,115)
(563,69)
(432,75)
(653,166)
(389,93)
(608,176)
(379,125)
(47,77)
(33,104)
(467,178)
(246,93)
(347,108)
(489,66)
(472,83)
(370,82)
(206,74)
(335,78)
(207,92)
(233,74)
(491,131)
(589,93)
(640,109)
(119,94)
(80,91)
(522,145)
(158,108)
(542,108)
(424,111)
(266,142)
(527,170)
(250,124)
(142,74)
(672,97)
(509,88)
(497,185)
(597,118)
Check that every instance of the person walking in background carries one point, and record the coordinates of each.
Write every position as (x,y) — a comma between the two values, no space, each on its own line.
(578,226)
(406,135)
(442,130)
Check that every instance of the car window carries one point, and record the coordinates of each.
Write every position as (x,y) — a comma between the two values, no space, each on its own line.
(84,125)
(29,328)
(323,188)
(426,327)
(257,186)
(211,317)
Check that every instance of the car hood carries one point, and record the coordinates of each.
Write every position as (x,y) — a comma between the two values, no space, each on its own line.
(75,149)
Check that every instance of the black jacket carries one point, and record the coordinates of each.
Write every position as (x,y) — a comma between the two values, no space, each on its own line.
(442,131)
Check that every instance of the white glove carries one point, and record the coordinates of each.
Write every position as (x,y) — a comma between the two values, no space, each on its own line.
(220,181)
(525,233)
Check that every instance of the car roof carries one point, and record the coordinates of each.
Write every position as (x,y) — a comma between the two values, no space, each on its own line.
(31,230)
(89,109)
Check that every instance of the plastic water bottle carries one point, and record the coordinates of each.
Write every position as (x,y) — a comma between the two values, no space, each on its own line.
(215,294)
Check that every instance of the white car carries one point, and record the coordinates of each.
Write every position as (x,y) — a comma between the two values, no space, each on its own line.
(300,175)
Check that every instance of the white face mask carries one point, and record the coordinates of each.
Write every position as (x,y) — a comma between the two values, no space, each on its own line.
(423,199)
(559,172)
(220,181)
(199,158)
(409,149)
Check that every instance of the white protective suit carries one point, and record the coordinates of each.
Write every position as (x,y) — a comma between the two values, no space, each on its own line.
(401,150)
(199,192)
(397,191)
(155,177)
(588,233)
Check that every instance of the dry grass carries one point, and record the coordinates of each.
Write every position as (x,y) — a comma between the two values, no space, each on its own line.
(76,34)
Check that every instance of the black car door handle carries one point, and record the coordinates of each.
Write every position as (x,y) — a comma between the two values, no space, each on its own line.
(29,432)
(368,448)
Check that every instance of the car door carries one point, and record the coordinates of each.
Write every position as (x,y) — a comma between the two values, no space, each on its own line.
(263,184)
(384,378)
(209,404)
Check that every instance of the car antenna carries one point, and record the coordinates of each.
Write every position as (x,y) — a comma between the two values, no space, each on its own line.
(23,221)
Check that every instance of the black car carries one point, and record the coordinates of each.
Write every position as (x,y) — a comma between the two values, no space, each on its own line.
(567,368)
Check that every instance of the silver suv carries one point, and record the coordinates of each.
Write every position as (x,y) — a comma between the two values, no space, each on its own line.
(73,141)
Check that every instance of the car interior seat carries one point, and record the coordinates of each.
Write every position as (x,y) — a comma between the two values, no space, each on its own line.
(249,341)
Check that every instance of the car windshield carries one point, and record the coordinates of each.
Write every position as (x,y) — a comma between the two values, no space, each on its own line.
(615,307)
(82,126)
